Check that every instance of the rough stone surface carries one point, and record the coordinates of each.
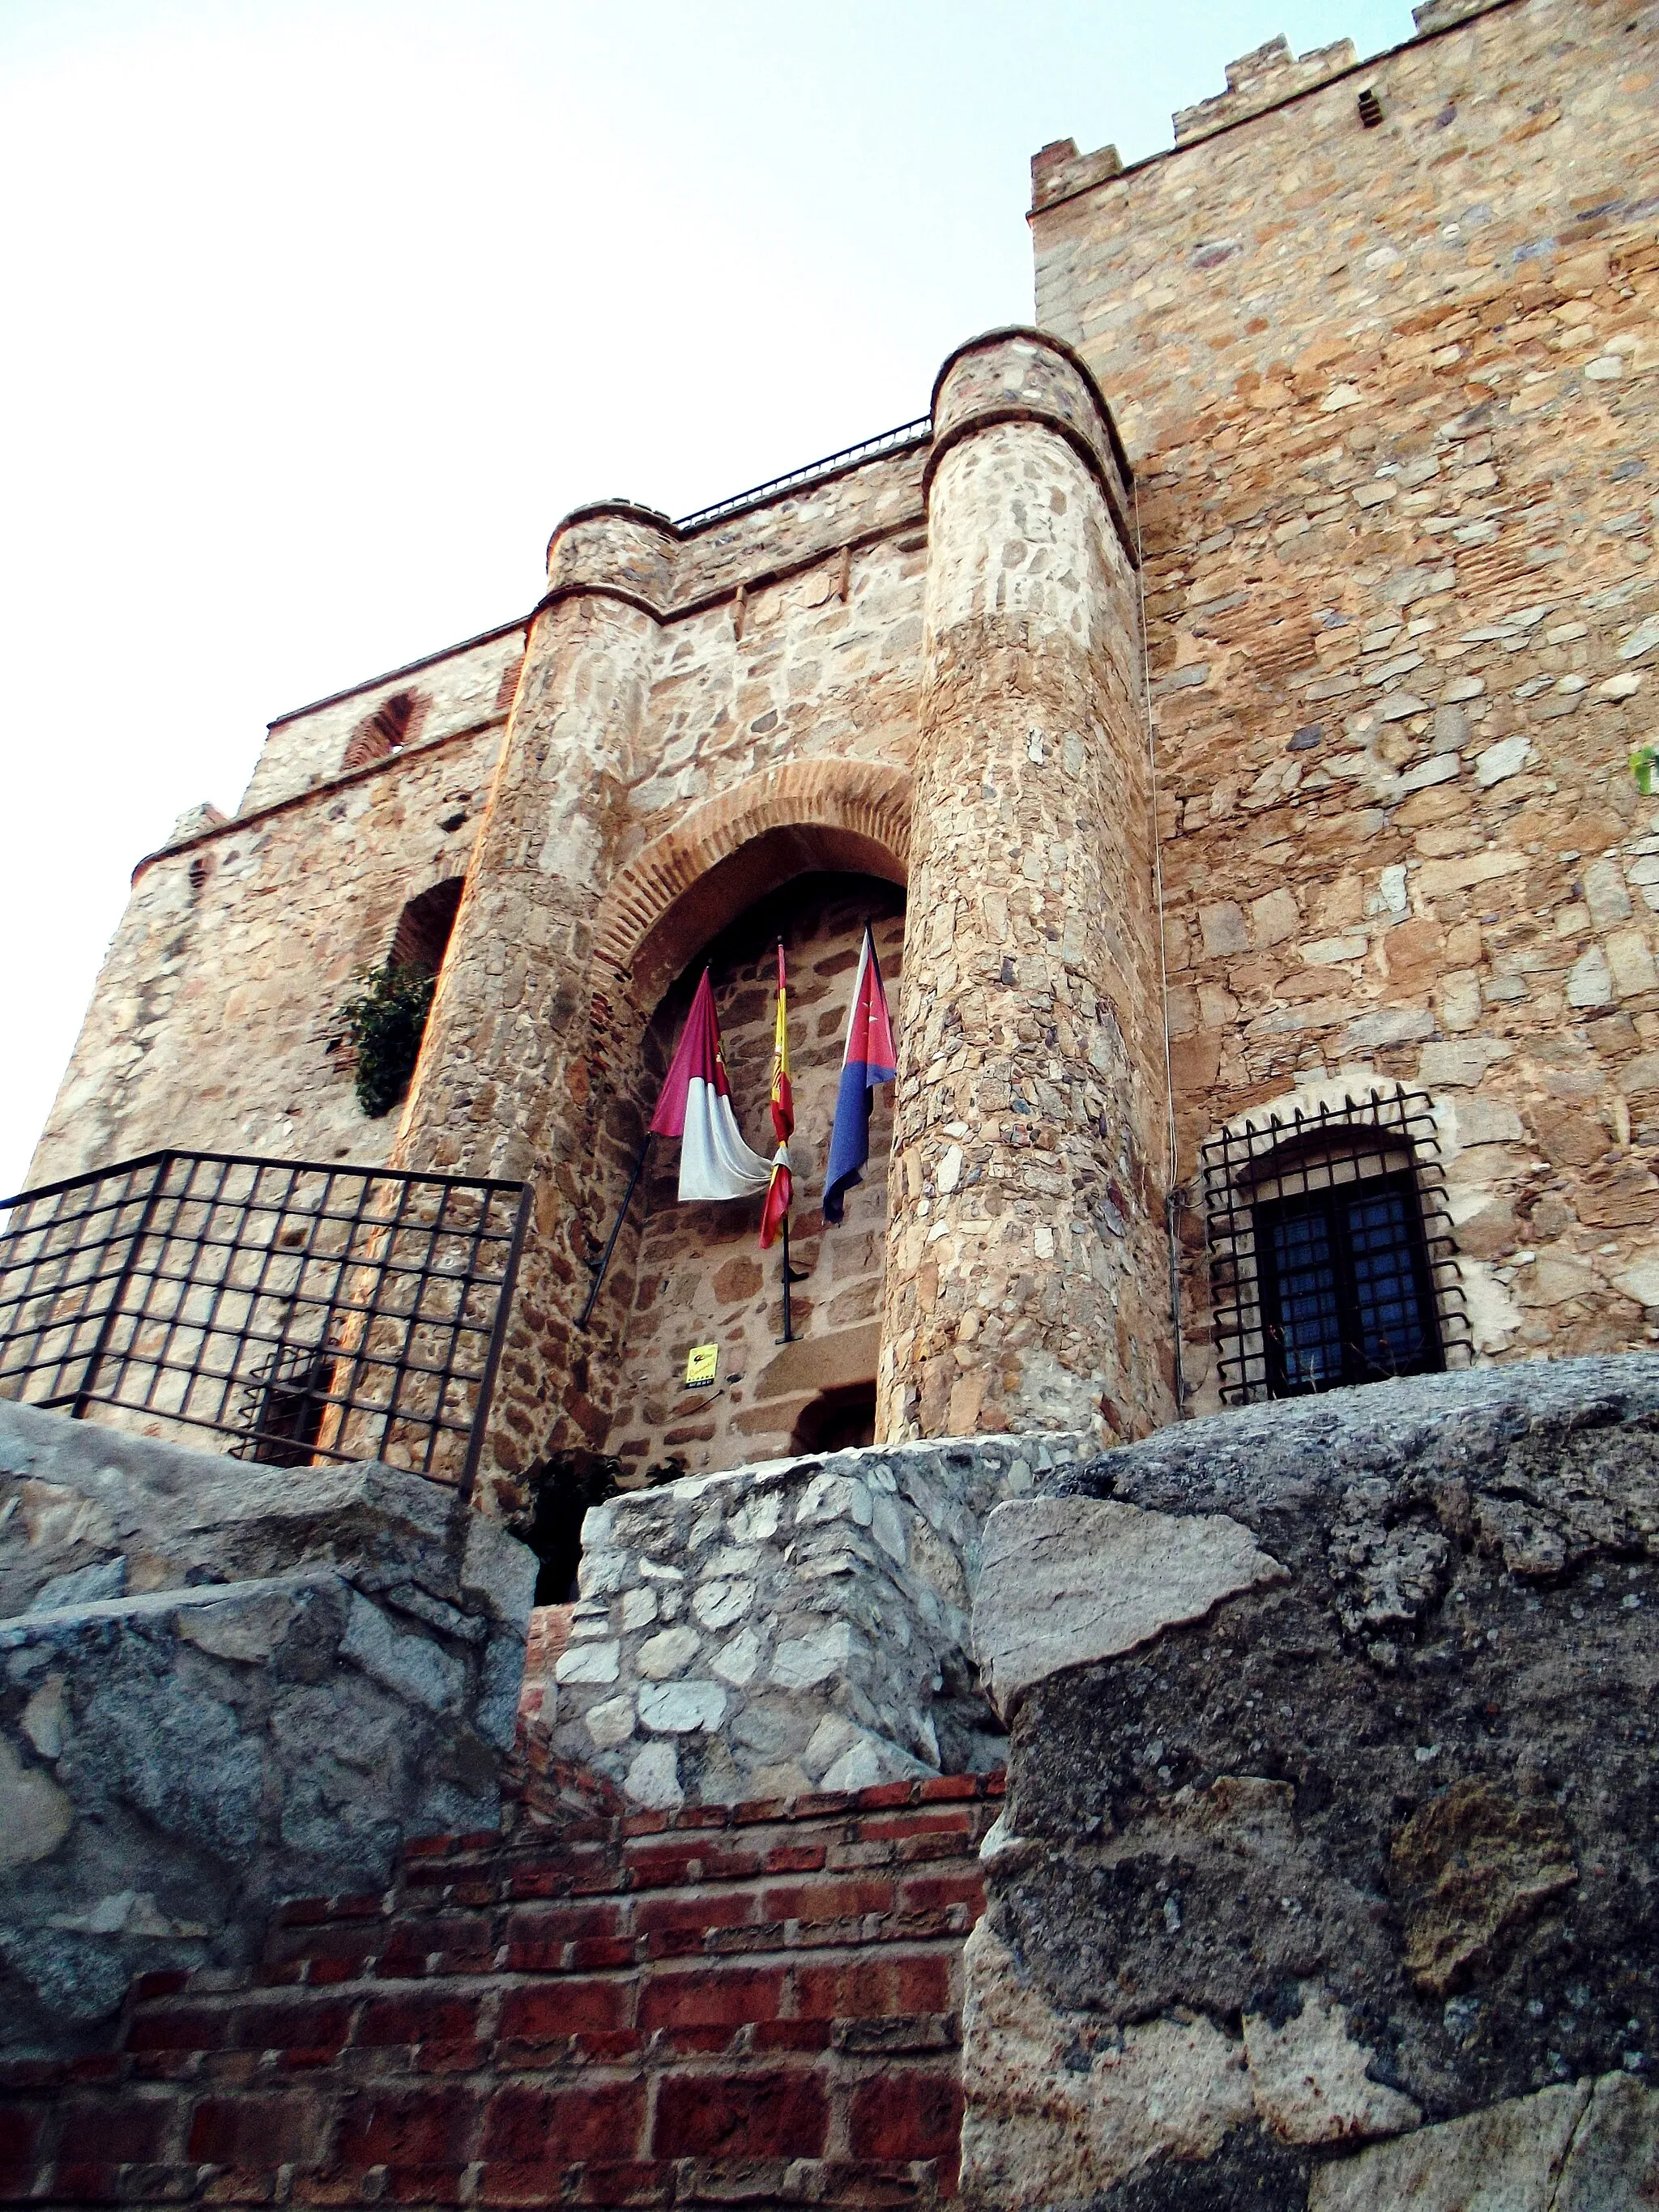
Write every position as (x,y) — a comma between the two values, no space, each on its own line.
(1389,1818)
(1066,1581)
(797,1626)
(1563,2150)
(1059,2112)
(1311,2080)
(310,1666)
(1022,1276)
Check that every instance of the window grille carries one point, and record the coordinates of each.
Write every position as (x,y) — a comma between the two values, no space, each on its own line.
(304,1313)
(1331,1253)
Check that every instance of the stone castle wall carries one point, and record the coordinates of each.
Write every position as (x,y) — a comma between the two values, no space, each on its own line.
(214,1022)
(1391,397)
(451,692)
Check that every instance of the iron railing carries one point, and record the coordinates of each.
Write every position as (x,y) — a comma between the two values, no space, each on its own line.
(1246,1170)
(889,442)
(305,1312)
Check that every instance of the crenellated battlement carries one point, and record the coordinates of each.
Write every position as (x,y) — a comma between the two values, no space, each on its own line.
(1261,79)
(1257,82)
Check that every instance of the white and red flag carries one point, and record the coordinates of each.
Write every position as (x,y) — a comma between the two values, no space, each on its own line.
(781,1191)
(696,1107)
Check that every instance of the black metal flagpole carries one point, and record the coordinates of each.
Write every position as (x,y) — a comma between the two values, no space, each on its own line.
(790,1275)
(604,1260)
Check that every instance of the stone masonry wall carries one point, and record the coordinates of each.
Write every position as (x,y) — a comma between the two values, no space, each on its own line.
(1324,1878)
(213,1023)
(1024,1285)
(793,633)
(699,1274)
(451,692)
(1391,397)
(788,1627)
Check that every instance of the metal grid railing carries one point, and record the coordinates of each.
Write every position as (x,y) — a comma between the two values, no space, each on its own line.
(305,1312)
(1253,1175)
(889,442)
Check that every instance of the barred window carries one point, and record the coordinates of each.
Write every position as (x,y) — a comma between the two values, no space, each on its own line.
(1330,1249)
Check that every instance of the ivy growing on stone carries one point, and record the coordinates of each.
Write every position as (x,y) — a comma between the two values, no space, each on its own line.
(385,1020)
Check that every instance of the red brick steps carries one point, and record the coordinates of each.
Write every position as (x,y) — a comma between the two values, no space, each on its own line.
(754,2005)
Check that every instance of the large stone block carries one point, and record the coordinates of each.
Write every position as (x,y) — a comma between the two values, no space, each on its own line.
(252,1686)
(1365,1838)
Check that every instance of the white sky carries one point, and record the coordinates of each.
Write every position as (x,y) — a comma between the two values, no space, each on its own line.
(315,318)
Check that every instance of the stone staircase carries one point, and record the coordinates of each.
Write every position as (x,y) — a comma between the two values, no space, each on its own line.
(756,2004)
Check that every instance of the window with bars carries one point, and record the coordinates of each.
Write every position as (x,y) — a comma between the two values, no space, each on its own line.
(1331,1258)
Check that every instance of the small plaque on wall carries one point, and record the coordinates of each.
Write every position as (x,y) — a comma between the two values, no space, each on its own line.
(702,1365)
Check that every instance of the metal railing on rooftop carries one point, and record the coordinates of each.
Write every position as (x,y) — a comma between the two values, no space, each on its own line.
(889,442)
(304,1312)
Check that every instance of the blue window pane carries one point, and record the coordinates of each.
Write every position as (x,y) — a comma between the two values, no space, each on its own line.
(1392,1335)
(1346,1295)
(1310,1316)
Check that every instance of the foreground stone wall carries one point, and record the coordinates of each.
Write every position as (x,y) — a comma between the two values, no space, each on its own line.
(1324,1873)
(1390,394)
(788,1627)
(219,1686)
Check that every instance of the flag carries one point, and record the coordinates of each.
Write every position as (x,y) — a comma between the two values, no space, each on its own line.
(869,1060)
(781,1190)
(696,1107)
(783,1099)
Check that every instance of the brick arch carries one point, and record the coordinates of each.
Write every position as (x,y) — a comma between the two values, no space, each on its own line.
(669,901)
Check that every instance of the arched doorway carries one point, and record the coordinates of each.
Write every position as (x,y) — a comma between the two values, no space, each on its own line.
(698,1276)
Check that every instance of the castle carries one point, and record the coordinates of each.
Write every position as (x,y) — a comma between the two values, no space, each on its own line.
(1231,708)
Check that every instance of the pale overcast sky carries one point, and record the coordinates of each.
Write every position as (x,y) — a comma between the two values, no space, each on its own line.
(317,318)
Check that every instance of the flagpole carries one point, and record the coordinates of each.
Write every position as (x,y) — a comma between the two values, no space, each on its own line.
(616,1231)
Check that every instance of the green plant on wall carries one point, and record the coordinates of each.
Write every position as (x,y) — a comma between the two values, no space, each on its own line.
(1642,762)
(385,1020)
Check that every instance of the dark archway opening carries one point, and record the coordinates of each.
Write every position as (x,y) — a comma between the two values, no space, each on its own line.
(565,1486)
(421,936)
(843,1420)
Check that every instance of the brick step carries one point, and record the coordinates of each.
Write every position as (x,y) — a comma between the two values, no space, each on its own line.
(752,2005)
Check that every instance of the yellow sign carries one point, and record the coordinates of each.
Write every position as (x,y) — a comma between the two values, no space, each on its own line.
(700,1365)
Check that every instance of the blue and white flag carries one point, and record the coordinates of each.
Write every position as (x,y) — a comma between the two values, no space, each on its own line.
(869,1060)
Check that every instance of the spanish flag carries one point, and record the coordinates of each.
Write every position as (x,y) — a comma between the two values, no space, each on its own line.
(781,1190)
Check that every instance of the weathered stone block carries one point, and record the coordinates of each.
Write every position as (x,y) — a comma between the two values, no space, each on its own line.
(1357,1830)
(322,1665)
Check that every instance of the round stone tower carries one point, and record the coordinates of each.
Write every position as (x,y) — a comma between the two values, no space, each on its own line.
(1026,1278)
(503,1085)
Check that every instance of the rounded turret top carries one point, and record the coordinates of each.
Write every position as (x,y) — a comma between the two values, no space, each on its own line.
(614,544)
(1025,375)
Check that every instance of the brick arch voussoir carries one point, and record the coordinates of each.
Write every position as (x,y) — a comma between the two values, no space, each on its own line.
(872,799)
